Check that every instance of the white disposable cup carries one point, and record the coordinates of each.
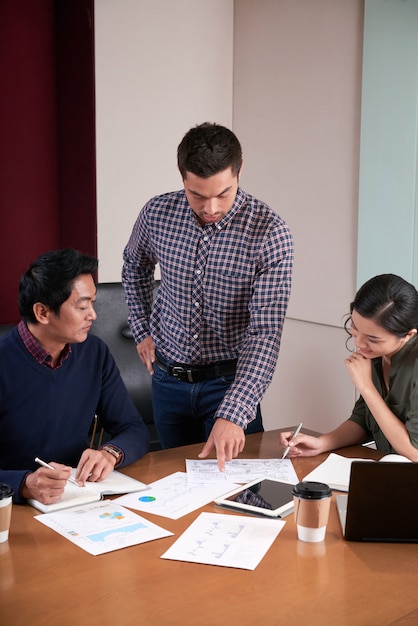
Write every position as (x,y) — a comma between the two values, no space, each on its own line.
(6,493)
(311,534)
(312,502)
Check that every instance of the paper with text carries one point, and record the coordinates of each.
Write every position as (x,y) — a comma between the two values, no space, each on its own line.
(226,540)
(241,470)
(102,527)
(174,496)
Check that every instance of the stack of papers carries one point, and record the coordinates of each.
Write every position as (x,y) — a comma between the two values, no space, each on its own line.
(216,539)
(181,493)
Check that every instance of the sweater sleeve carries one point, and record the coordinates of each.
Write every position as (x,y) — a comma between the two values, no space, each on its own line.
(15,479)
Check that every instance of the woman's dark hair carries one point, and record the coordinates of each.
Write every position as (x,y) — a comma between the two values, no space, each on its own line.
(49,279)
(390,301)
(208,149)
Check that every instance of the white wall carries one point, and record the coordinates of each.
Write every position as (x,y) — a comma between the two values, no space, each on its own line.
(286,76)
(161,67)
(310,384)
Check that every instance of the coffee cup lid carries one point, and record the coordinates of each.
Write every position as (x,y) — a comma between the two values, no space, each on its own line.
(312,490)
(5,491)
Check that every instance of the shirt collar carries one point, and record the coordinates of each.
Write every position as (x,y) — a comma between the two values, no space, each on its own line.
(240,198)
(37,351)
(238,202)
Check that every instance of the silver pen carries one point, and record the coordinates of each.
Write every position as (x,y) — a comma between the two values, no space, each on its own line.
(47,465)
(297,431)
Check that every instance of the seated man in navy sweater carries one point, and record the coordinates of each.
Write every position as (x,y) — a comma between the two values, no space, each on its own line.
(54,378)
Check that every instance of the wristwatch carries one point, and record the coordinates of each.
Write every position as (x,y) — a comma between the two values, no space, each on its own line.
(114,452)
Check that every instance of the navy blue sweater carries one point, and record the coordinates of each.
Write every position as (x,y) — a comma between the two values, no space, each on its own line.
(48,412)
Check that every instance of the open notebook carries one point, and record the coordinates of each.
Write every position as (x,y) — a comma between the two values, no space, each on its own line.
(335,470)
(115,484)
(380,505)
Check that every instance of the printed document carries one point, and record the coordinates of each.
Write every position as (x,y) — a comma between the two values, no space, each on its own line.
(102,527)
(241,470)
(174,496)
(227,540)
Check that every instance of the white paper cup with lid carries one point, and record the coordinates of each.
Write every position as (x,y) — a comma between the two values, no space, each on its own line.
(6,493)
(312,502)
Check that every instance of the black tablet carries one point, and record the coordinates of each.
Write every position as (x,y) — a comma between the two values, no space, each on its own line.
(264,496)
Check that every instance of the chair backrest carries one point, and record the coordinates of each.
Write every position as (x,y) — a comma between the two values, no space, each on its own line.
(112,327)
(6,328)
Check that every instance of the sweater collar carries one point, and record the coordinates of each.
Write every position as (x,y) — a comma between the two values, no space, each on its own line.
(37,351)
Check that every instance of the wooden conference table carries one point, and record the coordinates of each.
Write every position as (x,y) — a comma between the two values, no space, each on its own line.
(45,580)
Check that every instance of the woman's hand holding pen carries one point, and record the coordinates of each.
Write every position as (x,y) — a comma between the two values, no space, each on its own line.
(301,445)
(46,485)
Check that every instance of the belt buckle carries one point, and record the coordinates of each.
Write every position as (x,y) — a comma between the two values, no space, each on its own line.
(180,373)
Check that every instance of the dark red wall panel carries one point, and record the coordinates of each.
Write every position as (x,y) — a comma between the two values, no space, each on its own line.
(41,145)
(76,125)
(28,154)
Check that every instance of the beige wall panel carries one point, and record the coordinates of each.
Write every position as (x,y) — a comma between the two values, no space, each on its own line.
(297,93)
(311,383)
(161,67)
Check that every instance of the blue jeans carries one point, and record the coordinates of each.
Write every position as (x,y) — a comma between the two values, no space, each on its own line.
(183,412)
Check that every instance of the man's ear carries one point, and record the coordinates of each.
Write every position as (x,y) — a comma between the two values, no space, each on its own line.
(240,170)
(41,312)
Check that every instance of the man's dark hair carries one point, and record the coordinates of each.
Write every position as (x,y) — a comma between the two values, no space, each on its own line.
(208,149)
(49,280)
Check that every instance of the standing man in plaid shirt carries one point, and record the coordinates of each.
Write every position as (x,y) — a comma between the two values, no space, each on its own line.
(211,338)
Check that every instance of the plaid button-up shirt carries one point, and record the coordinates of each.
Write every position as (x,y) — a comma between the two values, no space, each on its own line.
(224,290)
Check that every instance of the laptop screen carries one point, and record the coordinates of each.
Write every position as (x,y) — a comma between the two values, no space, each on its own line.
(382,502)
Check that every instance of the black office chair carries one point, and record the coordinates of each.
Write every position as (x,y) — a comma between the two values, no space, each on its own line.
(112,327)
(5,328)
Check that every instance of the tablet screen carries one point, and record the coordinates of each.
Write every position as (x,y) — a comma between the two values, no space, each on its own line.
(265,494)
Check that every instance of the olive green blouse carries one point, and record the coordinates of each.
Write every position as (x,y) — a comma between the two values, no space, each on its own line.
(402,397)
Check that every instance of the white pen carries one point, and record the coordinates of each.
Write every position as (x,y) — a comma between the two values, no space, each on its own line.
(297,431)
(38,460)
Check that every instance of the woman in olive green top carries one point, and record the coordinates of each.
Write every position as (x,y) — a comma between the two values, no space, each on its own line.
(384,369)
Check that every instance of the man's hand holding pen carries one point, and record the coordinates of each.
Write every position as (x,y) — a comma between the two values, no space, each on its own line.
(45,484)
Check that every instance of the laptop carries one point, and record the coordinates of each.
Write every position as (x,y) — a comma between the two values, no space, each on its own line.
(381,504)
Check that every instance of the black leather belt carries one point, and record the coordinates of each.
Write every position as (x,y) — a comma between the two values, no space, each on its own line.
(197,373)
